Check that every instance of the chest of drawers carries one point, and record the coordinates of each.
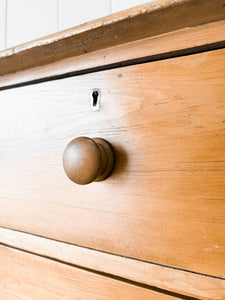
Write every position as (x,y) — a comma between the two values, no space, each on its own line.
(154,229)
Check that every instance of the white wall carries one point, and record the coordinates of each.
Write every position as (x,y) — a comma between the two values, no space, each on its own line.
(24,20)
(2,24)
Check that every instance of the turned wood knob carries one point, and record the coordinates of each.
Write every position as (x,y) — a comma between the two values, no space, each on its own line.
(86,160)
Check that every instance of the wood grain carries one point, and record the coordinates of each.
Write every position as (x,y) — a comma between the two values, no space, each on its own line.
(183,40)
(148,20)
(157,276)
(164,202)
(24,276)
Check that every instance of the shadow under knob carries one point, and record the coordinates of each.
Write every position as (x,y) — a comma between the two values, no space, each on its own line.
(86,160)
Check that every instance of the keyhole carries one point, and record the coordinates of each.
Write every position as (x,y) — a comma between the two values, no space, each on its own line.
(95,99)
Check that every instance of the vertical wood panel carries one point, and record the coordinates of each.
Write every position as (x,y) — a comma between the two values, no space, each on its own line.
(118,5)
(72,13)
(2,24)
(30,19)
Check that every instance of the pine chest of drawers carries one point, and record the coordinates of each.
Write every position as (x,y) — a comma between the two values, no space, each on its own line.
(154,229)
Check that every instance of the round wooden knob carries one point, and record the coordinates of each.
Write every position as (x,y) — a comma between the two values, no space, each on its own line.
(86,160)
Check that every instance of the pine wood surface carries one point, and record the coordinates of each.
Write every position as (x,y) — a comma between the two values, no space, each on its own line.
(169,280)
(25,276)
(187,40)
(164,202)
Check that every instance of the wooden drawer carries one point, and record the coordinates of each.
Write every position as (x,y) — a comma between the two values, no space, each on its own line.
(27,276)
(164,202)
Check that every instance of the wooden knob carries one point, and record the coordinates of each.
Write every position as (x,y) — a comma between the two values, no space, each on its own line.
(86,160)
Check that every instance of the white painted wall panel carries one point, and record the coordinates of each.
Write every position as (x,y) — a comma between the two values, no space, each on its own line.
(118,5)
(2,24)
(30,19)
(72,12)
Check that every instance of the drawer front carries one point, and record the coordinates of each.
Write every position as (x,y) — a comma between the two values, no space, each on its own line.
(25,276)
(164,202)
